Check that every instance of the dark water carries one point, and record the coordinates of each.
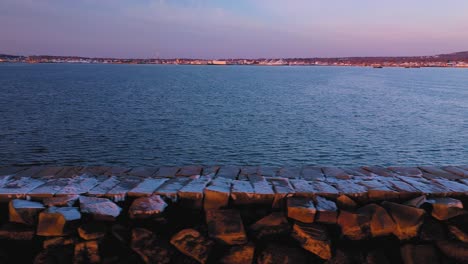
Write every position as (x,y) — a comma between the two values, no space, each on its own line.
(151,115)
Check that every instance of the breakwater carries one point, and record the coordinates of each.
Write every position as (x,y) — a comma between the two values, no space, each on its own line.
(234,214)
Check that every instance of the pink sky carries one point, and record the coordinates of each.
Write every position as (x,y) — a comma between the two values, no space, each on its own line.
(228,29)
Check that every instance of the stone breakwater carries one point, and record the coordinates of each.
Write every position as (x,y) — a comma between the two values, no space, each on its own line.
(231,214)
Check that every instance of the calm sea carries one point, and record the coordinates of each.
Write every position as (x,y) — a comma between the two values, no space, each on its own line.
(134,115)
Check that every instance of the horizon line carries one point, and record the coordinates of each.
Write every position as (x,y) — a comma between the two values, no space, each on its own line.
(233,58)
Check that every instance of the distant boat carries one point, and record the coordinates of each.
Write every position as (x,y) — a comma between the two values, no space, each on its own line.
(377,66)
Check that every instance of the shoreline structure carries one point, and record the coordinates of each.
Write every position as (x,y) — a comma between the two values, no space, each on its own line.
(234,214)
(453,60)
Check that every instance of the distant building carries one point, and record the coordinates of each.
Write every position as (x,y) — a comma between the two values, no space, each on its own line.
(219,62)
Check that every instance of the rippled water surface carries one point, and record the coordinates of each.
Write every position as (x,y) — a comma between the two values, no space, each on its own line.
(133,115)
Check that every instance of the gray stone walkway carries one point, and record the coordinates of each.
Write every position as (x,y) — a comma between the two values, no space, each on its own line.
(238,184)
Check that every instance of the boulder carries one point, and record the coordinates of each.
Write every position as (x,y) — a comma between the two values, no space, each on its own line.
(354,225)
(193,244)
(60,201)
(458,233)
(58,242)
(243,254)
(301,209)
(327,212)
(191,195)
(445,208)
(377,257)
(92,230)
(217,193)
(146,245)
(281,254)
(226,226)
(87,252)
(274,224)
(345,203)
(147,207)
(416,254)
(416,202)
(313,238)
(54,255)
(24,212)
(13,231)
(454,250)
(57,221)
(341,257)
(432,230)
(381,224)
(408,219)
(99,208)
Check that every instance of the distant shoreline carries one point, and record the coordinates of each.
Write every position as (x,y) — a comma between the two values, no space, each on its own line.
(258,65)
(452,60)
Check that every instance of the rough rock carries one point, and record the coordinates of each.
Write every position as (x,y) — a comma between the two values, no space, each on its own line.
(99,208)
(354,225)
(147,207)
(57,221)
(58,242)
(171,187)
(445,208)
(458,233)
(226,226)
(119,191)
(408,219)
(301,209)
(146,187)
(281,254)
(24,212)
(191,195)
(54,255)
(58,201)
(344,202)
(416,254)
(103,187)
(193,244)
(243,254)
(327,212)
(242,192)
(146,244)
(381,224)
(18,187)
(274,224)
(432,230)
(229,172)
(377,257)
(417,202)
(263,191)
(48,189)
(92,230)
(87,252)
(454,249)
(378,190)
(313,238)
(217,194)
(283,189)
(13,231)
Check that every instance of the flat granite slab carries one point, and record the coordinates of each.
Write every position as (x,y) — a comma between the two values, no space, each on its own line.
(239,184)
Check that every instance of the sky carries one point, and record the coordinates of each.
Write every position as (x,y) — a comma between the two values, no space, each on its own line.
(233,28)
